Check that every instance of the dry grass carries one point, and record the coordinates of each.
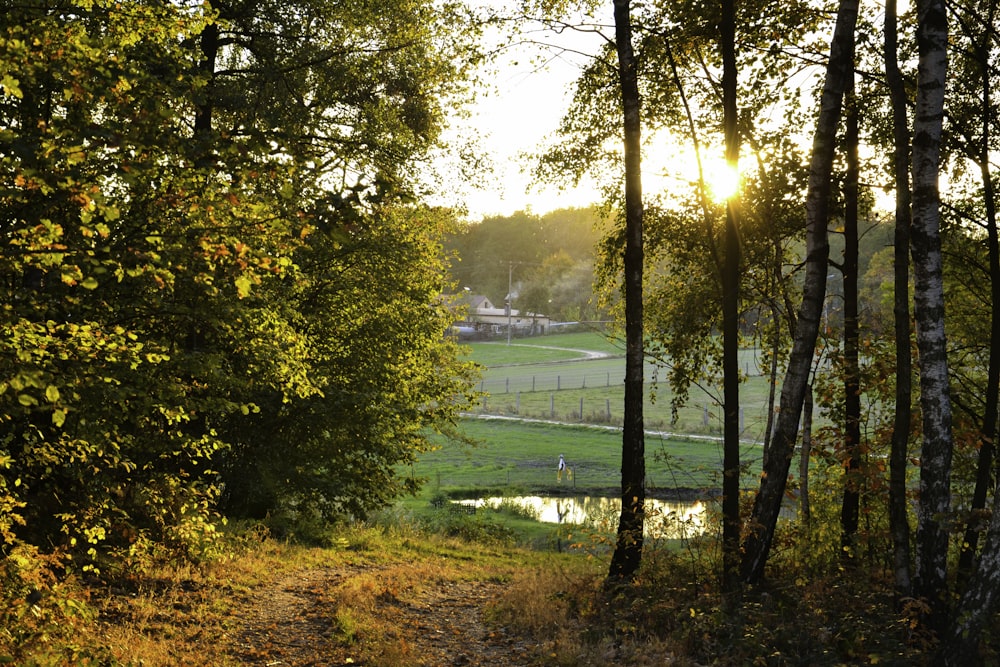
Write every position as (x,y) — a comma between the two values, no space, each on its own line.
(386,598)
(185,615)
(204,615)
(572,616)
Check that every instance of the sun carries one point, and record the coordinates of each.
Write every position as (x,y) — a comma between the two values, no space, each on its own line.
(722,179)
(668,165)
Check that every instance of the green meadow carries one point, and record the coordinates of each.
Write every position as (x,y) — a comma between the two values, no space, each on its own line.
(512,457)
(516,434)
(578,378)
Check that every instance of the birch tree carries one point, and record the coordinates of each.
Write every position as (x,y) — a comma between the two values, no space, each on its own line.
(767,503)
(925,249)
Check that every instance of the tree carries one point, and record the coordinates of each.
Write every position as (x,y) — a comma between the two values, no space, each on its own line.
(181,204)
(628,549)
(850,507)
(899,524)
(925,249)
(730,317)
(975,139)
(94,433)
(386,373)
(767,503)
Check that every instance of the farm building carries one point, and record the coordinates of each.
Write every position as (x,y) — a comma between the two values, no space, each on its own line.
(481,319)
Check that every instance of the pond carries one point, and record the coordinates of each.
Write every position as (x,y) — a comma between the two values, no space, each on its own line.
(664,519)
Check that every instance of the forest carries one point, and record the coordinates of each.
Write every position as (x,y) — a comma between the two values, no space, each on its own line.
(547,261)
(227,291)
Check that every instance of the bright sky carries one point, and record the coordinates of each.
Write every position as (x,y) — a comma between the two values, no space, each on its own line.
(519,111)
(514,116)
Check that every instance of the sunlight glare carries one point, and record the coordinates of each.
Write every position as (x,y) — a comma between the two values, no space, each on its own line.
(722,179)
(668,164)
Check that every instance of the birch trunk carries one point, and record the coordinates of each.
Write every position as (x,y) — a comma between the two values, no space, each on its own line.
(767,504)
(979,601)
(928,298)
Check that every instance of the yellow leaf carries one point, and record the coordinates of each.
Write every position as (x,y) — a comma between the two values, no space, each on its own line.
(89,283)
(242,286)
(11,86)
(52,393)
(58,418)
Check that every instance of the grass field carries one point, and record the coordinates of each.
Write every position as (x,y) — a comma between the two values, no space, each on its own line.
(579,377)
(521,457)
(521,433)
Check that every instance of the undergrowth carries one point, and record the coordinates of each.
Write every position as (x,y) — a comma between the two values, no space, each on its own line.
(812,610)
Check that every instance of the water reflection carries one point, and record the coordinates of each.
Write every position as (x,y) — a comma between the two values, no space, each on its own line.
(664,519)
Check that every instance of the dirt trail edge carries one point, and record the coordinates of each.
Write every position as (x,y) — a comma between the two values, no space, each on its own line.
(298,620)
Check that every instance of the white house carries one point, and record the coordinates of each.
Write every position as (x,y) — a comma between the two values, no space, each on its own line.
(484,320)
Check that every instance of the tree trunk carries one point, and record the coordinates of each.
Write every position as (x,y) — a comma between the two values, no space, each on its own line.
(899,524)
(772,375)
(628,549)
(851,503)
(987,434)
(209,45)
(925,248)
(767,503)
(807,429)
(979,600)
(730,323)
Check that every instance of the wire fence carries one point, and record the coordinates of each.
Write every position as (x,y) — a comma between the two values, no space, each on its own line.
(578,395)
(574,376)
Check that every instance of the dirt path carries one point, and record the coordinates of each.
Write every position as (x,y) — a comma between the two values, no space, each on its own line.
(293,622)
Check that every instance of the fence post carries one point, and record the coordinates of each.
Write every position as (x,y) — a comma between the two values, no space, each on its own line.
(558,382)
(517,404)
(506,386)
(552,406)
(607,407)
(581,408)
(532,383)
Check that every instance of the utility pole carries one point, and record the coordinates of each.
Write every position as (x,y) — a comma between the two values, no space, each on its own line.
(510,298)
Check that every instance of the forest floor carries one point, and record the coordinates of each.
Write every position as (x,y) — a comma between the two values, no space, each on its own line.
(289,622)
(370,598)
(401,598)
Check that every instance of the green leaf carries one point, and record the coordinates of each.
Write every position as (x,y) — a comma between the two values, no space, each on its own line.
(243,284)
(11,86)
(90,282)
